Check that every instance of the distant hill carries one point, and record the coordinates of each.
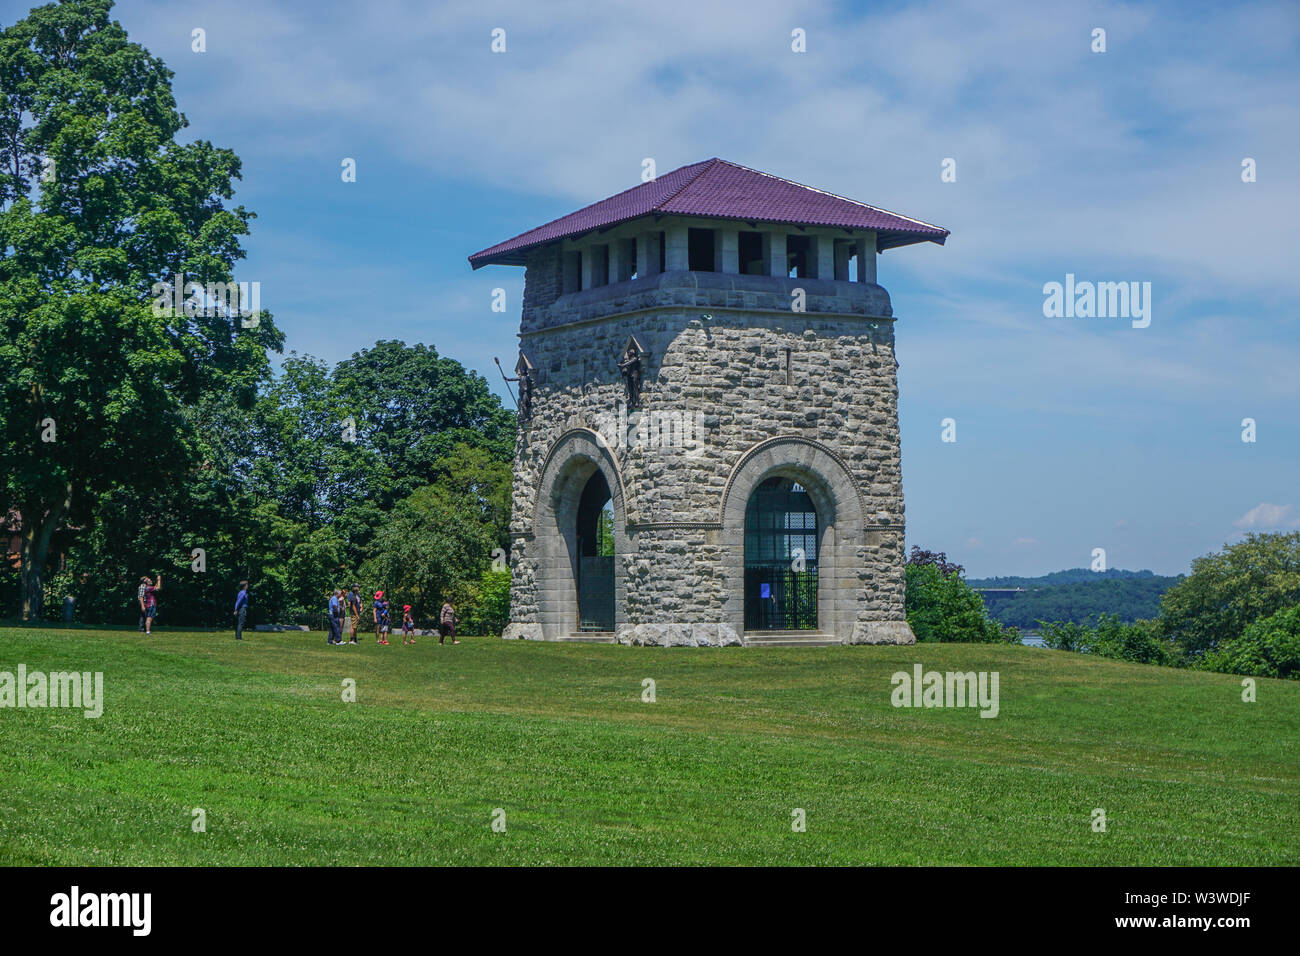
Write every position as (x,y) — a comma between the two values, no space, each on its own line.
(1070,576)
(1076,594)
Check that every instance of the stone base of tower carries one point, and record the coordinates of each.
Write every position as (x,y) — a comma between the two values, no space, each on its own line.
(684,634)
(882,632)
(523,632)
(679,634)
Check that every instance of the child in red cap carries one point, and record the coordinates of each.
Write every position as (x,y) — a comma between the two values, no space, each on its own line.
(408,625)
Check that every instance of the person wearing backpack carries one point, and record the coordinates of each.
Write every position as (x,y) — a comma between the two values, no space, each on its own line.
(380,612)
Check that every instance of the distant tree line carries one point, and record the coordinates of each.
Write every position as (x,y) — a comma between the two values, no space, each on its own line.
(391,470)
(1068,576)
(1127,598)
(1238,612)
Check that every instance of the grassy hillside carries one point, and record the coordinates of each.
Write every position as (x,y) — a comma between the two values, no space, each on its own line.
(559,738)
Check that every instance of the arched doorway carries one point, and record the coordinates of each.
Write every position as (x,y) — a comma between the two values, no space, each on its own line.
(780,557)
(839,542)
(594,570)
(555,553)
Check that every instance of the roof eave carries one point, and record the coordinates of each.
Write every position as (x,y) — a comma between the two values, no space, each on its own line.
(899,239)
(888,238)
(519,254)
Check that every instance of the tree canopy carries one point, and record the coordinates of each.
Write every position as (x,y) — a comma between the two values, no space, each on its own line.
(99,204)
(941,606)
(1230,589)
(142,423)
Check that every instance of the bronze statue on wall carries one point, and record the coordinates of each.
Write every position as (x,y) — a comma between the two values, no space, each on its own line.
(525,396)
(633,371)
(527,379)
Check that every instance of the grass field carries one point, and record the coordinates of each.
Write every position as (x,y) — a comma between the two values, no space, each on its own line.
(559,738)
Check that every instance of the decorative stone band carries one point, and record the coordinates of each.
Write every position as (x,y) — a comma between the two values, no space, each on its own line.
(713,291)
(684,309)
(881,525)
(674,526)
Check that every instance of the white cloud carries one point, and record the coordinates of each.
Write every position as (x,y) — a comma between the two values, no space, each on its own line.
(1057,159)
(1268,517)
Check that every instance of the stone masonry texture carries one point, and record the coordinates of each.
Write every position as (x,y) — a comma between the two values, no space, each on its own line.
(738,387)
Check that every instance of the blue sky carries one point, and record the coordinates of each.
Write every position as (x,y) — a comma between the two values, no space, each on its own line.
(1072,434)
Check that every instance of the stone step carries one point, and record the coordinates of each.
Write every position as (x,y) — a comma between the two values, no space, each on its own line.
(789,639)
(588,637)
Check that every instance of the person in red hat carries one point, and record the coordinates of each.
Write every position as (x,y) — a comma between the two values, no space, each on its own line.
(408,625)
(380,612)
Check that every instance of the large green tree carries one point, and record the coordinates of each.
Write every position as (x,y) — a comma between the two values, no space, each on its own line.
(413,407)
(99,204)
(309,460)
(1268,647)
(1230,589)
(940,605)
(427,550)
(352,453)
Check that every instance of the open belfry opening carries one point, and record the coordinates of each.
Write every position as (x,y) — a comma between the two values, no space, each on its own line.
(708,449)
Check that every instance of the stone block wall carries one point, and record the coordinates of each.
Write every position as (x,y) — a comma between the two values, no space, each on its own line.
(737,387)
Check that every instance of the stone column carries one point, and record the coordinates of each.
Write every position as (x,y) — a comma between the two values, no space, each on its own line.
(647,254)
(774,254)
(590,263)
(842,252)
(726,250)
(620,265)
(677,256)
(821,257)
(867,258)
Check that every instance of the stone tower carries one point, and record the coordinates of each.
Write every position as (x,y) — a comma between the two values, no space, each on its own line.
(708,448)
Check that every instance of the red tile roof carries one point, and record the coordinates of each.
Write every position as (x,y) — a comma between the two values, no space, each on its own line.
(720,190)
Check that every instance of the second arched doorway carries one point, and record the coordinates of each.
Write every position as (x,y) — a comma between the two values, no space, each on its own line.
(780,557)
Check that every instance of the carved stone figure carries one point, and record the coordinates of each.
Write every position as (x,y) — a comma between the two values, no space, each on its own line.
(525,396)
(630,366)
(526,379)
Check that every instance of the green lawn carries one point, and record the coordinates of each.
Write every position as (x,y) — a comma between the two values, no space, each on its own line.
(558,737)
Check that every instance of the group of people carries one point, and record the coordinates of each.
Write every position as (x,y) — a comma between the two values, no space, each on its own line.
(344,615)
